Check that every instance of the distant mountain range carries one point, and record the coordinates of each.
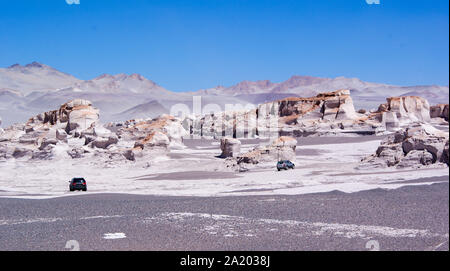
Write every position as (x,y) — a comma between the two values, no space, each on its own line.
(28,90)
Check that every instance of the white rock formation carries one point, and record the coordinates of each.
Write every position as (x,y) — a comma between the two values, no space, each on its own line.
(230,147)
(282,148)
(45,136)
(74,116)
(416,146)
(81,115)
(406,110)
(331,112)
(158,135)
(328,113)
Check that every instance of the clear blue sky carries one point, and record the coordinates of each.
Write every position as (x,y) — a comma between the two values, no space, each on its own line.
(187,45)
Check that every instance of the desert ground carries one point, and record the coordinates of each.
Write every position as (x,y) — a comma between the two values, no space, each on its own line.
(407,218)
(322,165)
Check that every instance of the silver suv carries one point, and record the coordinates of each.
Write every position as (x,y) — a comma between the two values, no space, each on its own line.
(286,164)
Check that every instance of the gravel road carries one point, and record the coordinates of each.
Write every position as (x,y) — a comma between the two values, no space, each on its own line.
(408,218)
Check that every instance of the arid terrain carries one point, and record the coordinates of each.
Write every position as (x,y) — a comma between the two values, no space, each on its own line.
(363,179)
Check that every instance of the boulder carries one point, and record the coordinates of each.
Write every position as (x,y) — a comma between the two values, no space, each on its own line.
(88,132)
(230,147)
(21,152)
(282,148)
(390,120)
(155,139)
(440,111)
(445,154)
(29,140)
(29,129)
(77,153)
(101,131)
(3,152)
(415,158)
(391,154)
(88,139)
(163,133)
(252,157)
(43,154)
(133,153)
(46,142)
(61,135)
(103,142)
(129,155)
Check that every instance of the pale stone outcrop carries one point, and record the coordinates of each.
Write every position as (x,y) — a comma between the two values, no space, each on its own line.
(77,153)
(415,157)
(22,152)
(416,146)
(331,112)
(445,154)
(153,140)
(74,130)
(76,115)
(81,115)
(282,148)
(61,135)
(326,114)
(103,142)
(130,154)
(390,120)
(230,147)
(405,110)
(157,135)
(235,124)
(46,142)
(46,135)
(440,111)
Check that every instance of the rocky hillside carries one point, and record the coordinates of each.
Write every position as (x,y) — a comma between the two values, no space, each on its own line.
(34,77)
(33,88)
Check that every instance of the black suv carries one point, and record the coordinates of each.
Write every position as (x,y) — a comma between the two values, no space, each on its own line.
(78,184)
